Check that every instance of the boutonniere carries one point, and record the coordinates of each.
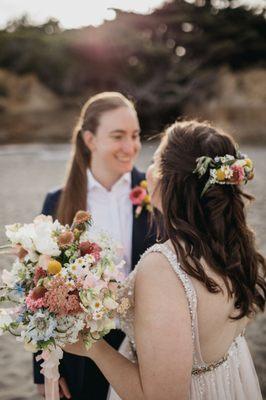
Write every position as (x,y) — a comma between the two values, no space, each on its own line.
(140,197)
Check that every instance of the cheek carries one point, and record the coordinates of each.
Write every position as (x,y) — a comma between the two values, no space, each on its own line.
(138,147)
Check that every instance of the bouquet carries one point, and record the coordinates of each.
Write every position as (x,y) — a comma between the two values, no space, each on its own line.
(61,285)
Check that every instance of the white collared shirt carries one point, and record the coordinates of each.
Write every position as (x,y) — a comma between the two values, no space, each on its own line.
(111,211)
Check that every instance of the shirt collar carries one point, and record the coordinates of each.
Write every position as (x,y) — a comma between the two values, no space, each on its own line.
(93,183)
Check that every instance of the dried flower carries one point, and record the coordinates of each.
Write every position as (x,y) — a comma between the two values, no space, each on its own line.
(65,239)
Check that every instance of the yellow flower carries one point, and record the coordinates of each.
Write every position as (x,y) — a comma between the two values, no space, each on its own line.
(54,267)
(249,163)
(147,199)
(220,175)
(149,207)
(143,184)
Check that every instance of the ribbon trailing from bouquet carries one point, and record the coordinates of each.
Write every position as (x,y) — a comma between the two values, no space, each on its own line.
(51,359)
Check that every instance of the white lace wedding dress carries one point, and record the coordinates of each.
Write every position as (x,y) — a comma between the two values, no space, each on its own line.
(231,378)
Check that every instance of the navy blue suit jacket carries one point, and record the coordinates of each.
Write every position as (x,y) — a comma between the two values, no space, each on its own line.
(84,379)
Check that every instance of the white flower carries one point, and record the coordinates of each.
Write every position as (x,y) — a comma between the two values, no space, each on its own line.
(240,163)
(18,234)
(41,327)
(98,315)
(110,303)
(44,240)
(68,328)
(96,305)
(29,346)
(100,325)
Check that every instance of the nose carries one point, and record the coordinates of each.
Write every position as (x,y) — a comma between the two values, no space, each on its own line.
(129,147)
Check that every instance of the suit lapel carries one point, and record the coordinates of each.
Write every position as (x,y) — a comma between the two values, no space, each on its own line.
(139,224)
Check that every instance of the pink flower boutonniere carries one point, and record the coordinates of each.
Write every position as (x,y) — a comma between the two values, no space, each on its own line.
(139,197)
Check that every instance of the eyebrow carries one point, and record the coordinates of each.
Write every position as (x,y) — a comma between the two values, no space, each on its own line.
(123,131)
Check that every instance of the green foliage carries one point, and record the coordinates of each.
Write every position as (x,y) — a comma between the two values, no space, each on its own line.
(160,59)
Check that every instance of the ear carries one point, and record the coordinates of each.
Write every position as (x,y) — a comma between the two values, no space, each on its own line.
(89,140)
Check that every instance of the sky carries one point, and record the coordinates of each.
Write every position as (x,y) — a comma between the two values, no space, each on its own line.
(74,14)
(71,14)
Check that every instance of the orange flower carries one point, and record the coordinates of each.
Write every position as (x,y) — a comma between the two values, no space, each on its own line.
(81,217)
(65,239)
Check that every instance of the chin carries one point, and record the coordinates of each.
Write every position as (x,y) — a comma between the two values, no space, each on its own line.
(126,168)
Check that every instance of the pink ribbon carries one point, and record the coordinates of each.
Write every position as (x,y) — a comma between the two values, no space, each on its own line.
(50,371)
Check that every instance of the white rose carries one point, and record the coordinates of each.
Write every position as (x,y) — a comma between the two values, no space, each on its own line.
(43,240)
(21,234)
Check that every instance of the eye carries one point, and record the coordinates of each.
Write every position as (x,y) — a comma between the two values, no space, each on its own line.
(117,137)
(136,136)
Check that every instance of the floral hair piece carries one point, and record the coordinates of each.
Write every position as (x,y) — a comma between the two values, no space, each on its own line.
(226,170)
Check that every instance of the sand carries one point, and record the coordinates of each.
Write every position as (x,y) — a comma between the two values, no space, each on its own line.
(27,173)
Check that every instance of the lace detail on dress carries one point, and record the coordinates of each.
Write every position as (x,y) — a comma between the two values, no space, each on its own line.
(233,377)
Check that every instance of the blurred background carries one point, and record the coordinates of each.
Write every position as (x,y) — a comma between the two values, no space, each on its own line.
(196,58)
(175,59)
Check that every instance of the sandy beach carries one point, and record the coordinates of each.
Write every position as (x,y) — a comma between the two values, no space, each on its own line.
(27,173)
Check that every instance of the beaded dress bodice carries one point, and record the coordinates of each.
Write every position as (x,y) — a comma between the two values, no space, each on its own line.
(231,377)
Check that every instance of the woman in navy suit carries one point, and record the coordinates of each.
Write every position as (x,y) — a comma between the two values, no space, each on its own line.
(101,175)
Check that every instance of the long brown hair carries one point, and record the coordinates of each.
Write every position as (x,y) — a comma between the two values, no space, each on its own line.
(212,227)
(74,193)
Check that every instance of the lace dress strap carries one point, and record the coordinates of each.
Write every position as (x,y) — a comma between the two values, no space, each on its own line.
(185,280)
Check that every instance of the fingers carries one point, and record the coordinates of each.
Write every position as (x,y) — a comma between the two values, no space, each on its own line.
(64,388)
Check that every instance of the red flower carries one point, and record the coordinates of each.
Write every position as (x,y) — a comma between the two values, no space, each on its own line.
(90,248)
(137,195)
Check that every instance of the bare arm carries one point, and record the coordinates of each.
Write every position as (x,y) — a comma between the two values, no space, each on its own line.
(163,339)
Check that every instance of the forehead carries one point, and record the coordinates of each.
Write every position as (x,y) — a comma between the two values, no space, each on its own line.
(122,117)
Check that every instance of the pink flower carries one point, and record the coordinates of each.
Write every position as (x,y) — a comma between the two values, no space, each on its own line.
(61,299)
(89,281)
(20,252)
(238,174)
(35,300)
(65,239)
(138,211)
(90,248)
(44,261)
(38,274)
(93,282)
(137,195)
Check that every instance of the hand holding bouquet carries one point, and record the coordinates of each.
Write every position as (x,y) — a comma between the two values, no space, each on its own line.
(60,285)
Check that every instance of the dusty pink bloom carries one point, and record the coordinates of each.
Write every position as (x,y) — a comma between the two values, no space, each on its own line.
(238,174)
(61,299)
(20,252)
(138,211)
(44,261)
(112,286)
(89,281)
(65,239)
(34,301)
(38,274)
(90,248)
(81,217)
(137,195)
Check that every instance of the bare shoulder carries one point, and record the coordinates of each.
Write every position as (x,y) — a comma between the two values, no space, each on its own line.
(155,274)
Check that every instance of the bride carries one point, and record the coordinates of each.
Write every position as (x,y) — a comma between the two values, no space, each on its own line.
(193,294)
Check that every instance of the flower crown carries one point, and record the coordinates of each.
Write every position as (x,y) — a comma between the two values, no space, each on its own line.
(226,170)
